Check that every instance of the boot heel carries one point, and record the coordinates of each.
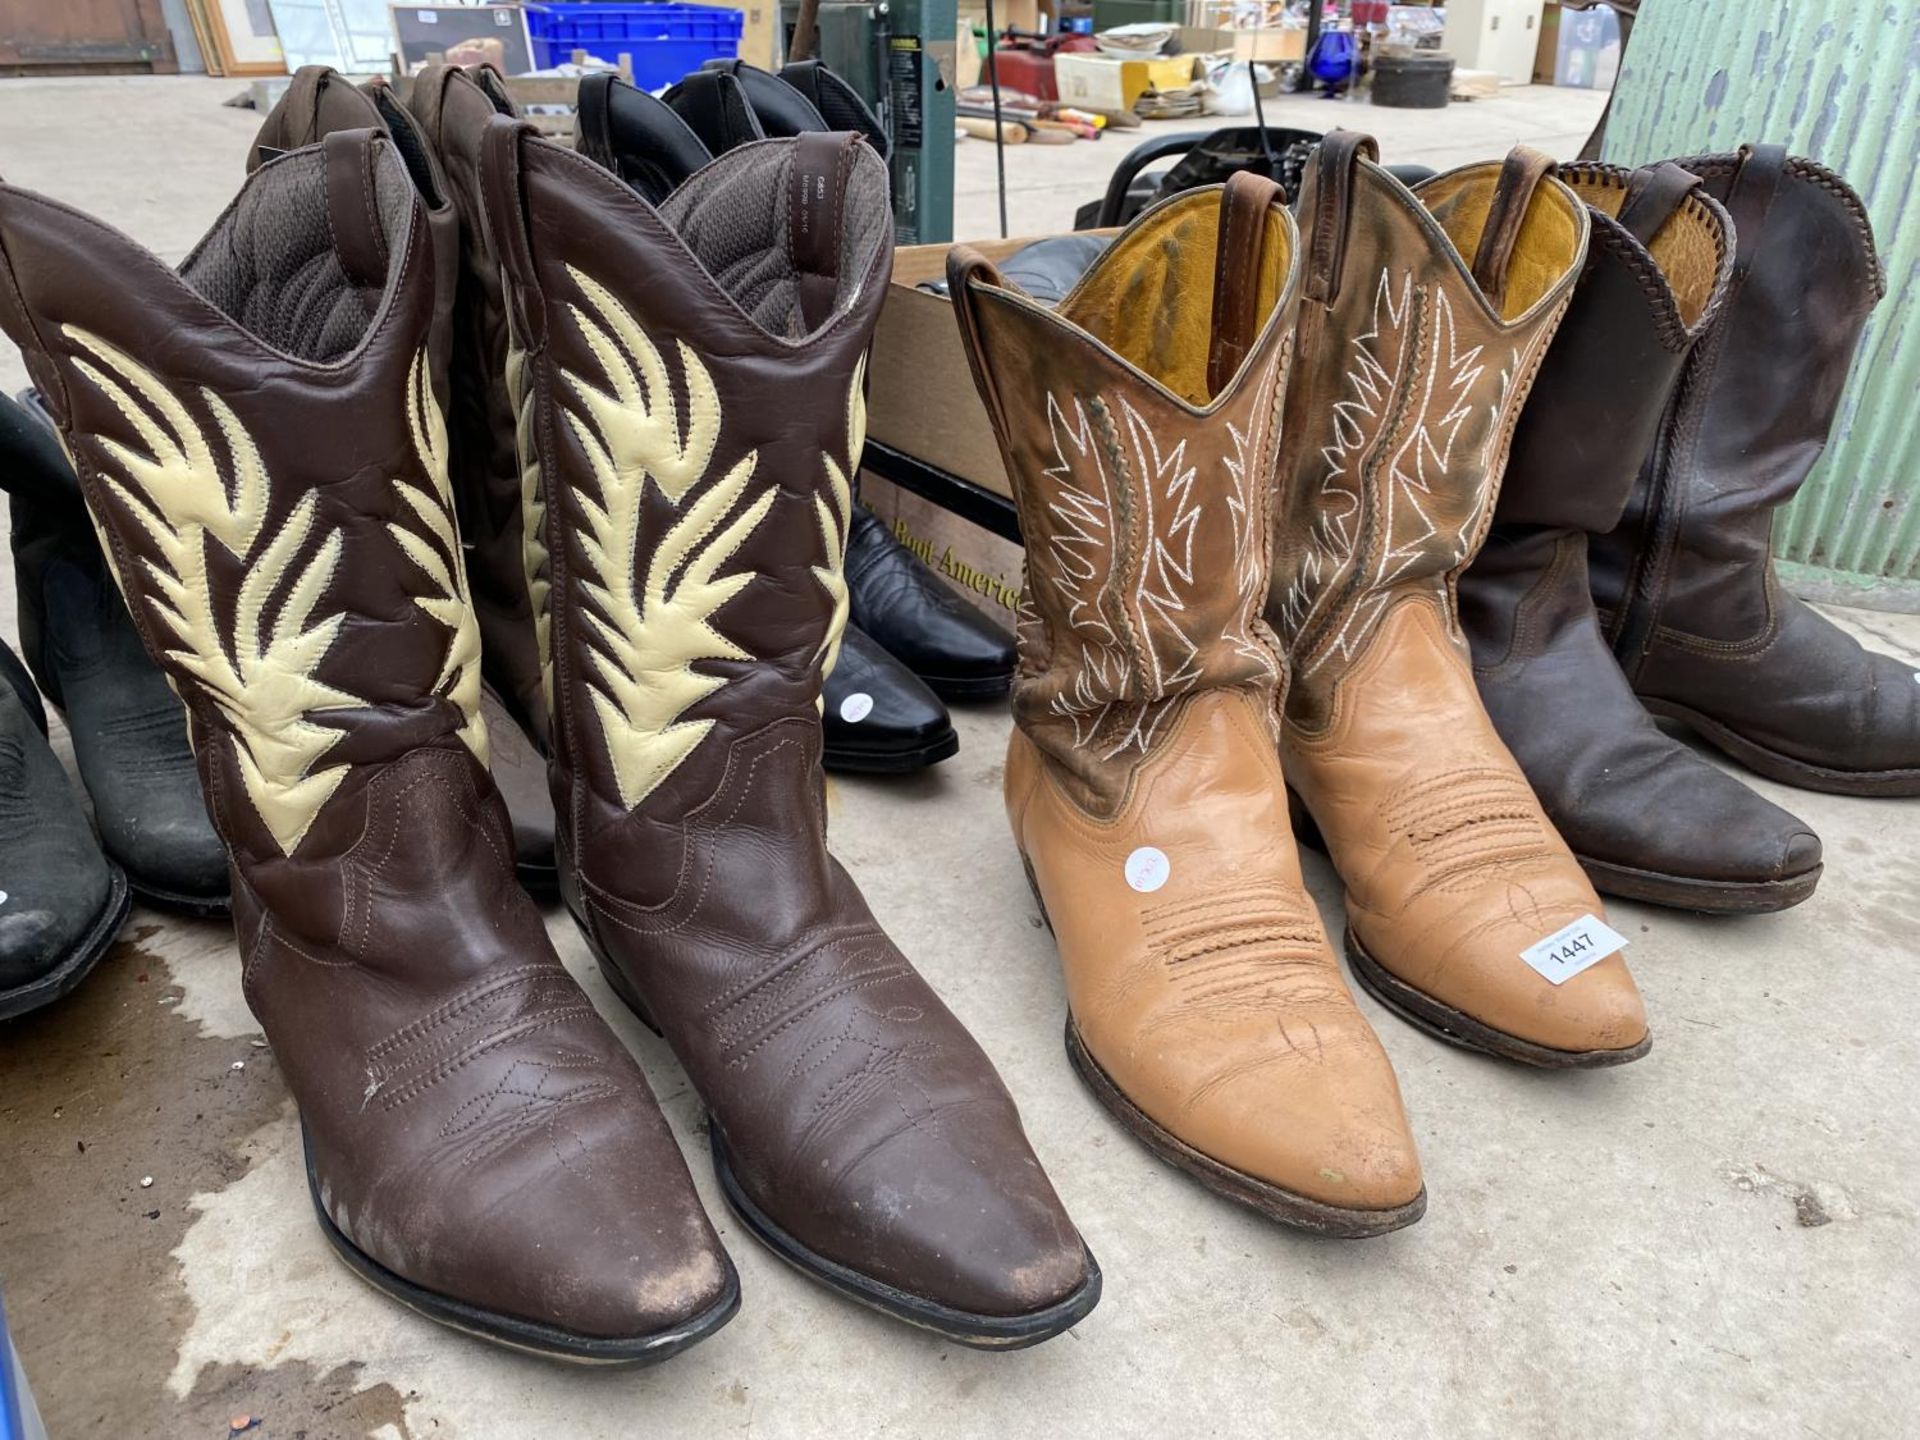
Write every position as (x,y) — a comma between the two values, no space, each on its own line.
(1304,828)
(1034,885)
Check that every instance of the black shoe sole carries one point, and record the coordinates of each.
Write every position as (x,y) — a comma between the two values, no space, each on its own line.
(527,1336)
(1443,1022)
(1801,774)
(197,907)
(979,1332)
(93,946)
(1290,1208)
(1703,897)
(892,762)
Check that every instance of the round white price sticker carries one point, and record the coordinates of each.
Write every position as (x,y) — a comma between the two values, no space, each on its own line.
(1147,869)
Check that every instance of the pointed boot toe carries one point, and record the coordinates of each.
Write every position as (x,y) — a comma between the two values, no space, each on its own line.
(877,716)
(546,1248)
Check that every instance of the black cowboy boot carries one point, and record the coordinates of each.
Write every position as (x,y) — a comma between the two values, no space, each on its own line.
(129,729)
(64,901)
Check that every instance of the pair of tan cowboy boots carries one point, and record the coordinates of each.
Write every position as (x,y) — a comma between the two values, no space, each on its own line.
(1250,459)
(419,325)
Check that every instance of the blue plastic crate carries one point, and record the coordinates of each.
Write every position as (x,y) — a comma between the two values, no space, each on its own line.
(665,40)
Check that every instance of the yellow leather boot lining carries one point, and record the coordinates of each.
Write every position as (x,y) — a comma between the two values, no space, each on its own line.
(1687,249)
(1150,297)
(1548,236)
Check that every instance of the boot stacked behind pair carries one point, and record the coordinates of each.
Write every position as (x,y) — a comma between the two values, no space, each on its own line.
(1139,421)
(1698,618)
(1647,817)
(694,373)
(1466,912)
(260,439)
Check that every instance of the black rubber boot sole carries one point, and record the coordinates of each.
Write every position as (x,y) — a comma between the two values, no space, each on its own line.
(963,1327)
(198,907)
(1443,1022)
(1704,897)
(547,1341)
(892,762)
(1802,774)
(981,1332)
(65,977)
(1276,1203)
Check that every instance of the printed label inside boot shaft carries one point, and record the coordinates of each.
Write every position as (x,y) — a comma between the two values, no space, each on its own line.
(1572,948)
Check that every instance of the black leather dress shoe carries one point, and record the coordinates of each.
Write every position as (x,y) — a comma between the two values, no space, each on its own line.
(878,718)
(129,729)
(910,612)
(61,901)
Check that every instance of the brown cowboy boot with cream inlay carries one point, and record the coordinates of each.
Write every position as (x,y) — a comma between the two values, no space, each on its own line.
(259,439)
(696,371)
(1138,421)
(1466,913)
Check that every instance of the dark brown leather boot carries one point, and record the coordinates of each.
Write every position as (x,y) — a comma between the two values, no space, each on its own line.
(481,420)
(1698,618)
(1643,813)
(696,374)
(259,438)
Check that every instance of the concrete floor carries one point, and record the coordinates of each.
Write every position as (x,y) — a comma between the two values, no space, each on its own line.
(1718,1241)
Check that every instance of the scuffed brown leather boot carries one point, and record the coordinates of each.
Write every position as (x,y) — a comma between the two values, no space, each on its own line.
(1699,620)
(1466,913)
(1139,420)
(479,1145)
(696,374)
(1647,817)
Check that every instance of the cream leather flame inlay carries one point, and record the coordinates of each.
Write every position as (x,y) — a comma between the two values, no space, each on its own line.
(534,555)
(837,516)
(647,631)
(443,564)
(259,675)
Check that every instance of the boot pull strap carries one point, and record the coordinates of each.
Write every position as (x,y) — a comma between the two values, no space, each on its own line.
(967,272)
(1749,197)
(1654,192)
(493,85)
(816,204)
(506,212)
(1337,157)
(1244,202)
(1520,175)
(294,121)
(593,123)
(353,212)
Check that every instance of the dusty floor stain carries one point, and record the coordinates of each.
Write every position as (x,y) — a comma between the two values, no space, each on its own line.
(101,1091)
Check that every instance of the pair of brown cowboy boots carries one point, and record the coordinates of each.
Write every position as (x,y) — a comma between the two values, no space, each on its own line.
(644,467)
(1251,459)
(1630,570)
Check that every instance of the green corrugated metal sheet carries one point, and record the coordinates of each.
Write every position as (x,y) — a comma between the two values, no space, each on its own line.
(1837,80)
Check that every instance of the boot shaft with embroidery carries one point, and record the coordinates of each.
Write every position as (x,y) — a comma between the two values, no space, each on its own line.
(695,371)
(1647,817)
(1139,422)
(1699,620)
(478,1143)
(1413,361)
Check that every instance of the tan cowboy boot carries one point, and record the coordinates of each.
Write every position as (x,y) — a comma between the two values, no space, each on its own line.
(1207,1009)
(1466,912)
(260,440)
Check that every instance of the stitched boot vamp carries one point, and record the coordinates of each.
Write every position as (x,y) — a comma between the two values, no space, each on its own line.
(1452,868)
(1213,1001)
(854,1107)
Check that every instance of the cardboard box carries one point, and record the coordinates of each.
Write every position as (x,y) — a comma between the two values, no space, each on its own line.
(1109,82)
(922,399)
(983,568)
(1269,47)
